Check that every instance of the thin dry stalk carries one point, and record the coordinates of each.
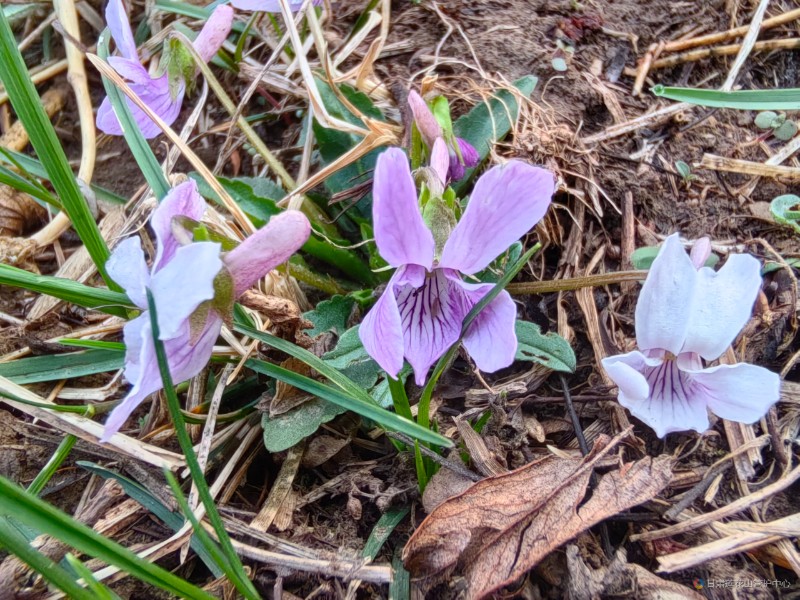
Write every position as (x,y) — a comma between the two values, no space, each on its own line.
(280,489)
(747,45)
(747,167)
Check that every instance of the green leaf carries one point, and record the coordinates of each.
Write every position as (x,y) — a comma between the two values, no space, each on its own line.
(788,99)
(367,410)
(786,130)
(62,366)
(559,64)
(104,300)
(786,210)
(45,518)
(382,530)
(683,169)
(286,430)
(490,122)
(330,315)
(642,258)
(765,119)
(333,144)
(27,104)
(550,350)
(348,351)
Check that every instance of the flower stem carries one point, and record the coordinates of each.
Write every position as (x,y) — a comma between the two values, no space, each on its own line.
(574,283)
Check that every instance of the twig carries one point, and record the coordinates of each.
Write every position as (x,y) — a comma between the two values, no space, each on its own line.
(694,493)
(724,36)
(574,283)
(647,120)
(747,45)
(747,167)
(723,512)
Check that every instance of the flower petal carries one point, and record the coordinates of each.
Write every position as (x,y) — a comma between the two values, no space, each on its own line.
(155,93)
(214,32)
(469,158)
(440,161)
(127,266)
(666,300)
(141,365)
(468,152)
(658,393)
(400,233)
(271,6)
(431,316)
(120,28)
(506,203)
(381,331)
(130,69)
(490,339)
(183,284)
(268,247)
(182,201)
(427,125)
(741,392)
(723,305)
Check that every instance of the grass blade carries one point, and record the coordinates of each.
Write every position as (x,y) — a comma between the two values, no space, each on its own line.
(788,99)
(369,410)
(53,367)
(43,517)
(107,301)
(26,103)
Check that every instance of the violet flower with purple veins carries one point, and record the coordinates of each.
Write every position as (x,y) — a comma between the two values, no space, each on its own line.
(270,6)
(193,286)
(463,157)
(686,314)
(156,92)
(420,314)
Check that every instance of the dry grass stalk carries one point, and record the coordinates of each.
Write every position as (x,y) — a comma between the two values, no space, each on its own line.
(281,488)
(747,45)
(747,167)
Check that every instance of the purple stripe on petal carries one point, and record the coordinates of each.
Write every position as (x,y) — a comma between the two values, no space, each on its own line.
(431,317)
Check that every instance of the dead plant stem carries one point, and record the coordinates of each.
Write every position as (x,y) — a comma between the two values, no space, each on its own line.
(574,283)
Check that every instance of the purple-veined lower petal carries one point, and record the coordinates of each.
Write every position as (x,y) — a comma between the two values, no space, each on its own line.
(658,393)
(183,284)
(381,331)
(214,32)
(490,339)
(120,27)
(742,392)
(440,160)
(268,247)
(141,365)
(506,203)
(271,6)
(182,201)
(400,233)
(427,125)
(667,299)
(723,303)
(431,317)
(128,267)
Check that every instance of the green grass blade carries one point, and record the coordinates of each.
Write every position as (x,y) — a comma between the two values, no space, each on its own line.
(139,493)
(19,183)
(100,591)
(788,99)
(12,541)
(33,167)
(233,568)
(107,301)
(369,410)
(58,458)
(28,106)
(54,367)
(43,517)
(133,136)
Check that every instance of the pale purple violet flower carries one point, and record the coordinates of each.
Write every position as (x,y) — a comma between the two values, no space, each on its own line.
(155,92)
(430,130)
(270,6)
(182,282)
(687,313)
(420,313)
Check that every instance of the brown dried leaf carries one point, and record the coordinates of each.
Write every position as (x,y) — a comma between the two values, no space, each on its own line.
(503,526)
(19,213)
(287,396)
(321,449)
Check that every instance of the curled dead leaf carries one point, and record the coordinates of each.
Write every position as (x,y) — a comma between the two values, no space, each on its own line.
(287,396)
(19,213)
(503,526)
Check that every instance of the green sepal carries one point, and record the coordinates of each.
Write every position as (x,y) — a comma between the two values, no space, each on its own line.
(440,220)
(179,66)
(441,110)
